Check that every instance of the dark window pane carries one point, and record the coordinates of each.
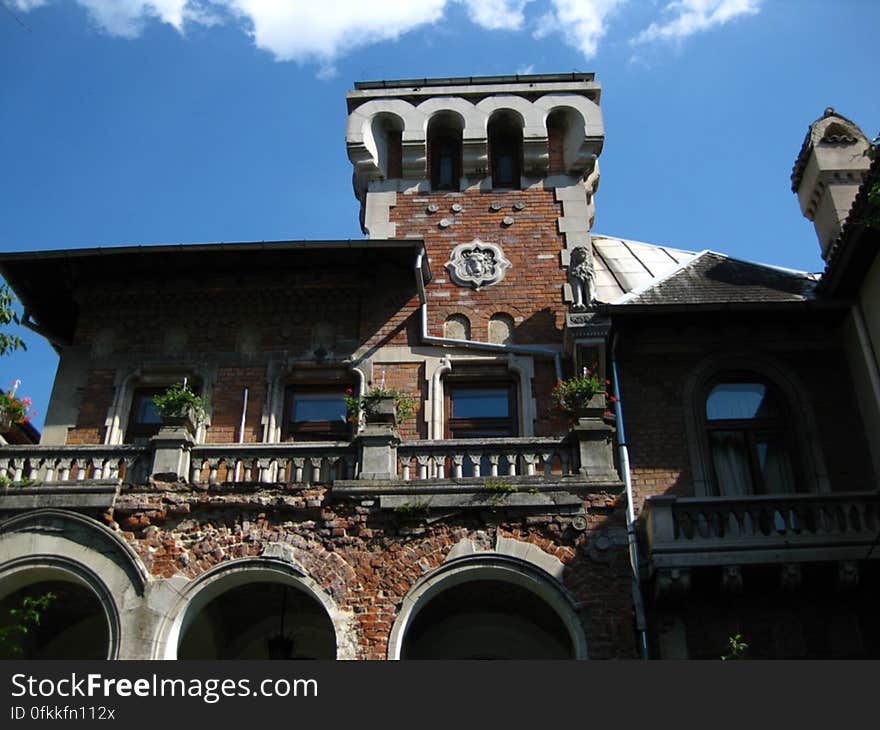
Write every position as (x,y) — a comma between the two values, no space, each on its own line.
(319,407)
(731,461)
(740,401)
(774,463)
(147,411)
(504,167)
(481,403)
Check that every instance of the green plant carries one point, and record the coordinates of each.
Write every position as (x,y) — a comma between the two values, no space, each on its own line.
(8,315)
(179,398)
(404,404)
(736,648)
(19,409)
(23,619)
(411,509)
(499,486)
(573,395)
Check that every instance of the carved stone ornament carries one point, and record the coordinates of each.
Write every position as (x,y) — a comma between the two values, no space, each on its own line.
(477,264)
(582,278)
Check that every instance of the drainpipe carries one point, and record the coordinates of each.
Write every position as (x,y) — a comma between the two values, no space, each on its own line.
(474,344)
(244,405)
(623,451)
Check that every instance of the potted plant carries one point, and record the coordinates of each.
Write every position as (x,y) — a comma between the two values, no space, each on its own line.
(379,405)
(14,409)
(179,406)
(583,395)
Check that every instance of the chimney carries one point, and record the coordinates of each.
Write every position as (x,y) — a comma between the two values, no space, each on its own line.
(828,173)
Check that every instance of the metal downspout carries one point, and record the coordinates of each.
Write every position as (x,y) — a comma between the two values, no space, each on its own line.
(623,450)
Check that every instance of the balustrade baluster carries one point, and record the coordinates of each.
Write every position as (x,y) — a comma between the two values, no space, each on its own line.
(456,465)
(423,462)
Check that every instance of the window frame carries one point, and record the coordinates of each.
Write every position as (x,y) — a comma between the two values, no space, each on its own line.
(459,428)
(318,430)
(751,429)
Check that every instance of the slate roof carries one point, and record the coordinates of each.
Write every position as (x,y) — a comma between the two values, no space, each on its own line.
(713,278)
(622,265)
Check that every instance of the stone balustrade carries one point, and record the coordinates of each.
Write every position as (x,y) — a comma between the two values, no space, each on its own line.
(485,457)
(288,463)
(65,465)
(688,532)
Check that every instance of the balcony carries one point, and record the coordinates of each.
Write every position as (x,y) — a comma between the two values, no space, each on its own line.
(535,472)
(789,530)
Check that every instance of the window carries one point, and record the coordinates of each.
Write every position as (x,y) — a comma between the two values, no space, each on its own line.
(143,419)
(505,151)
(481,409)
(444,151)
(315,413)
(750,443)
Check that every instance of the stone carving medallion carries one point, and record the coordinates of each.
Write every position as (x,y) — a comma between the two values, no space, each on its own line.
(477,264)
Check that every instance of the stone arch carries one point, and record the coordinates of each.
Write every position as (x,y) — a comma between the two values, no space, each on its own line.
(54,545)
(195,597)
(792,390)
(584,131)
(523,567)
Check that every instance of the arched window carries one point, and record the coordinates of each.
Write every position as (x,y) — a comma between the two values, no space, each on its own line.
(750,437)
(505,150)
(444,151)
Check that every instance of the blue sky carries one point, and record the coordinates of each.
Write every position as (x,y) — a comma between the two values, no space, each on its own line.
(157,121)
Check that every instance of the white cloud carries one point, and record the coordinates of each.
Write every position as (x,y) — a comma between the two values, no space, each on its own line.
(301,31)
(126,18)
(25,5)
(497,14)
(581,23)
(696,16)
(312,31)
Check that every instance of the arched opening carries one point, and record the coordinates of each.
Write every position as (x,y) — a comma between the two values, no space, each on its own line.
(565,134)
(487,607)
(444,150)
(50,617)
(505,149)
(258,620)
(385,142)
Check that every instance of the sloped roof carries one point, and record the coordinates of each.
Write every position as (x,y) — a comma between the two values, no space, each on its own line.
(622,266)
(713,278)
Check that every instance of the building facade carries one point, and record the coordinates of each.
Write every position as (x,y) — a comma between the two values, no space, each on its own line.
(724,488)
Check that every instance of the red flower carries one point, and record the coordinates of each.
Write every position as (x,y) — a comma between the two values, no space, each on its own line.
(348,390)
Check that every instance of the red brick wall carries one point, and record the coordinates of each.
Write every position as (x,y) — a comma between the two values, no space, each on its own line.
(367,560)
(531,291)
